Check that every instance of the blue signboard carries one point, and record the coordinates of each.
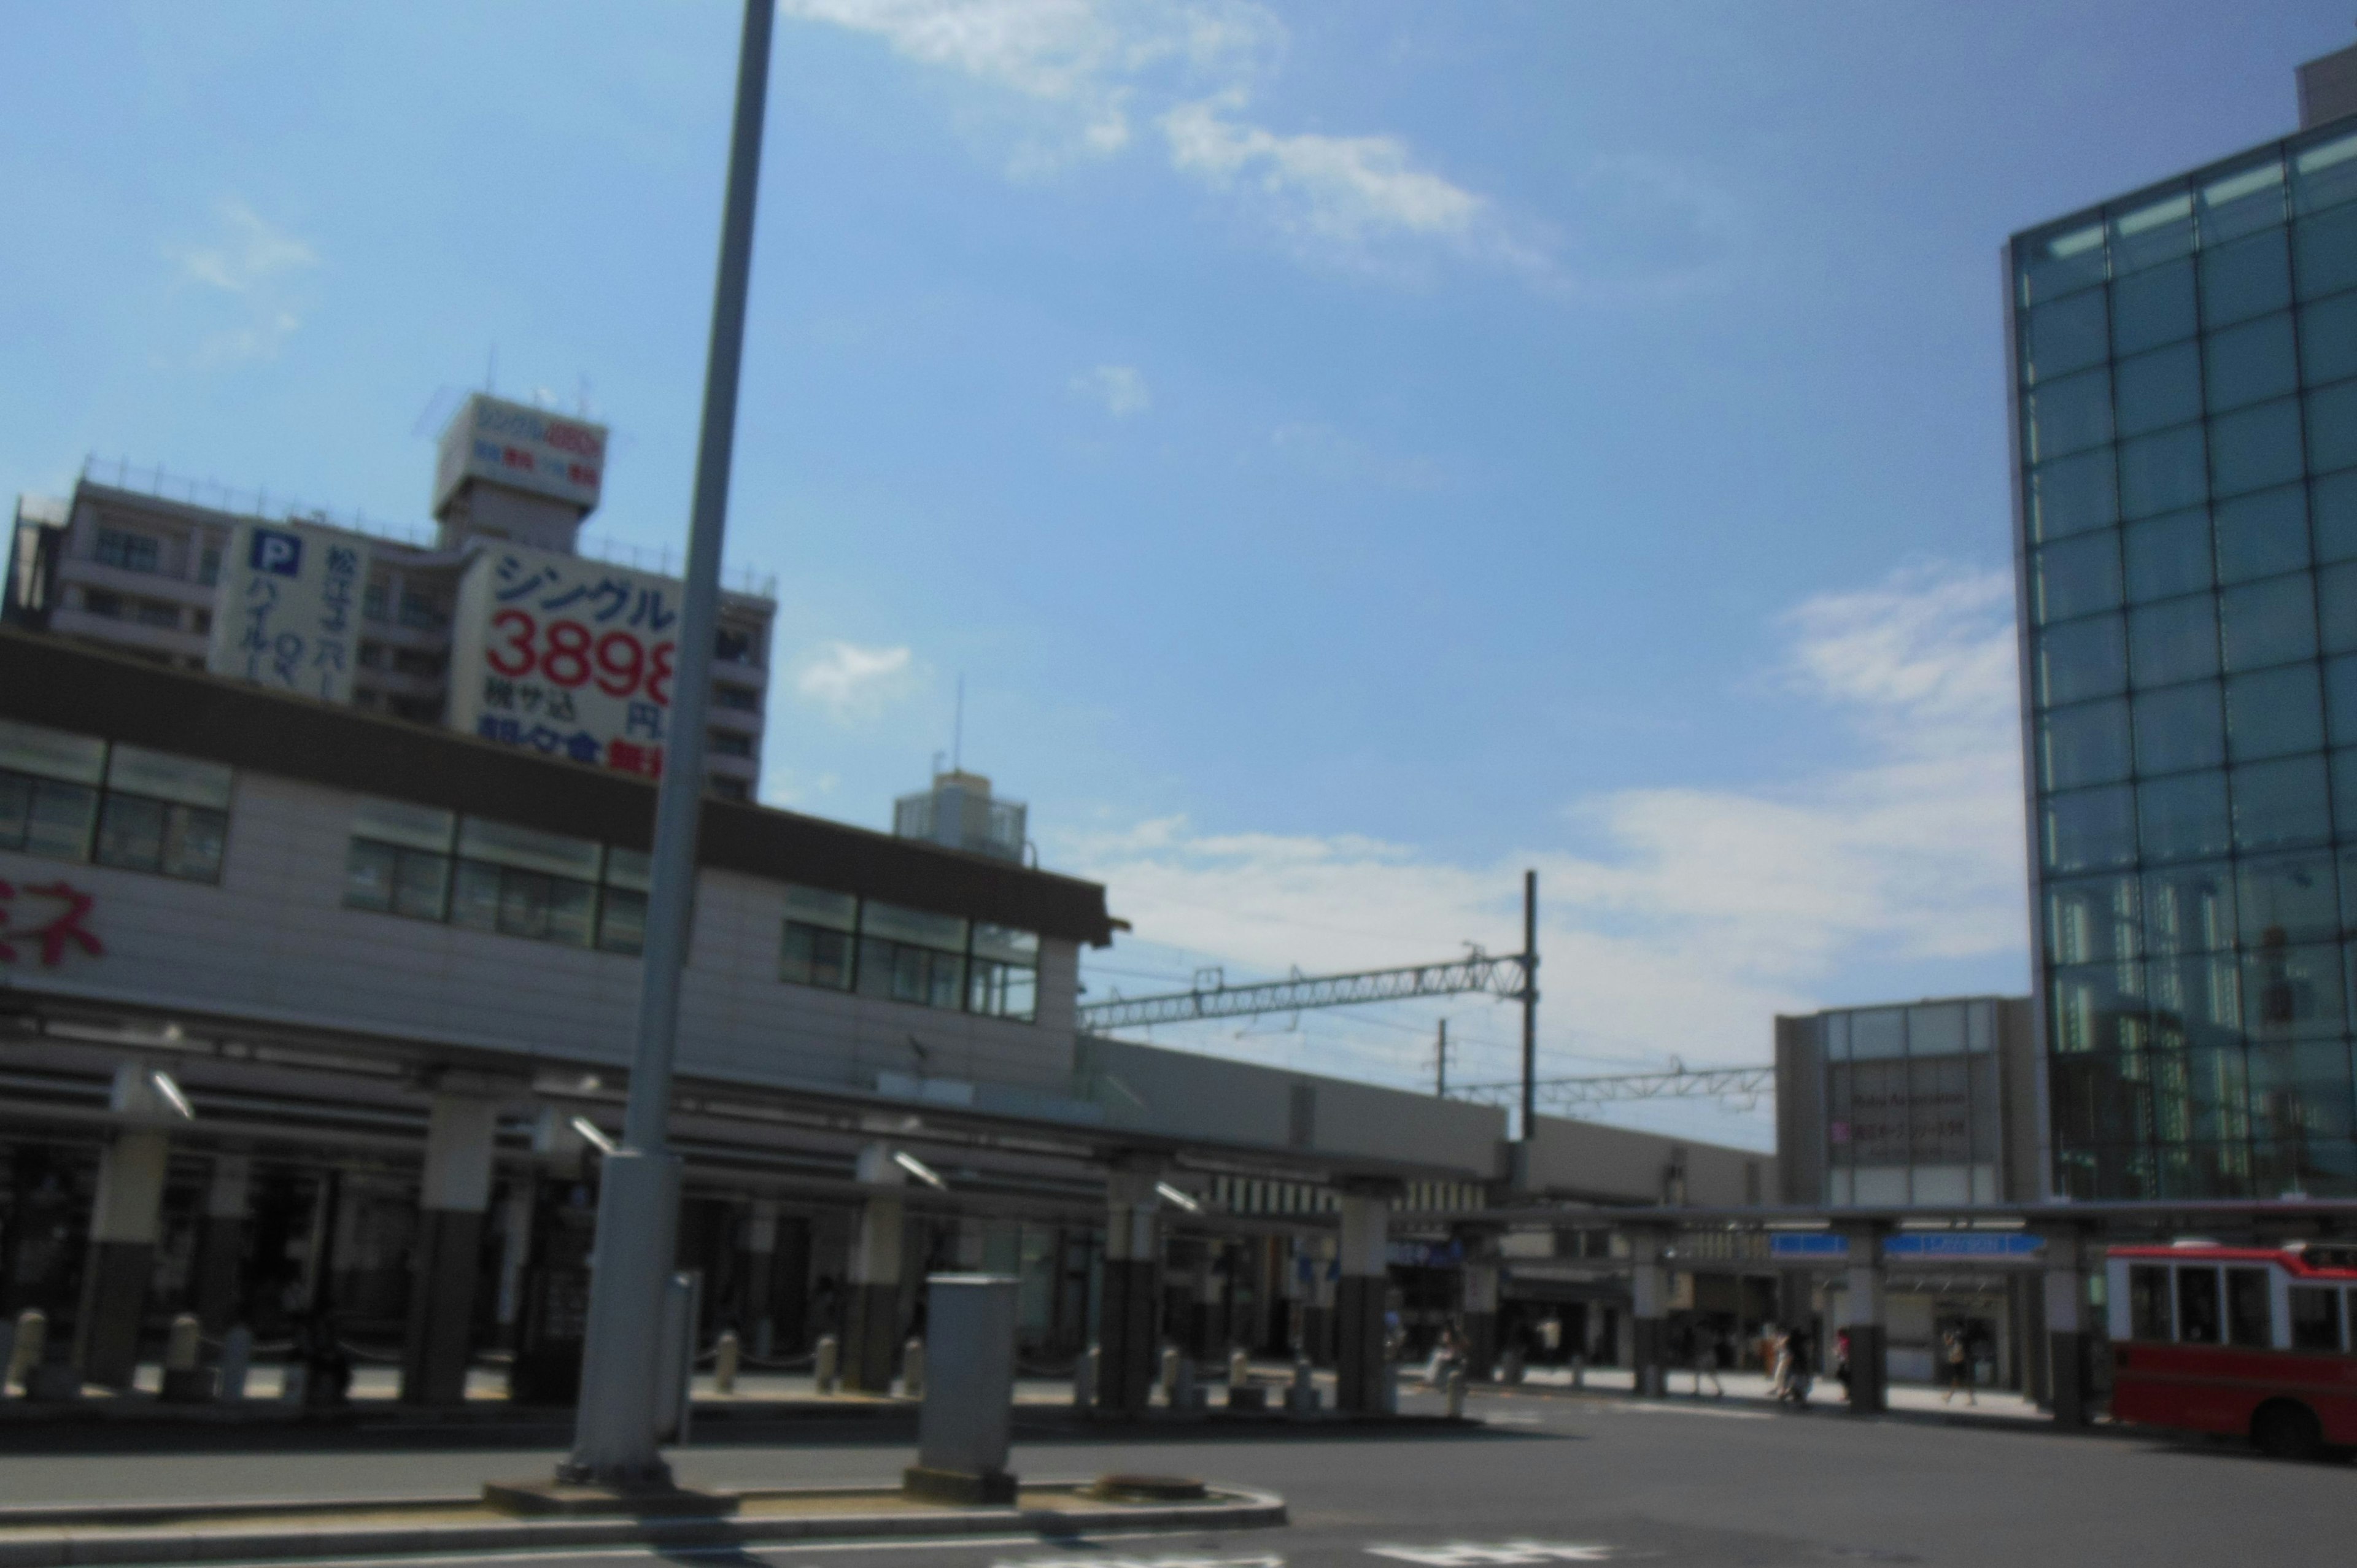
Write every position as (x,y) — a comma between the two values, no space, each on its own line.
(1808,1244)
(1963,1244)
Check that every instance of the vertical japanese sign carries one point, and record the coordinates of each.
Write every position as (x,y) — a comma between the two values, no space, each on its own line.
(288,613)
(571,658)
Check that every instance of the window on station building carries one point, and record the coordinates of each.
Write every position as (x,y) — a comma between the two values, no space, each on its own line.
(840,942)
(820,928)
(72,797)
(910,955)
(432,865)
(129,550)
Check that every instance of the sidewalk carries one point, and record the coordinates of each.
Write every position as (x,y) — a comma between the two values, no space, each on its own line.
(1755,1388)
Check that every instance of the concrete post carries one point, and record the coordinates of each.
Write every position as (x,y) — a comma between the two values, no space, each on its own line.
(123,1226)
(1480,1310)
(454,1191)
(1318,1302)
(1863,1316)
(1126,1306)
(760,1270)
(515,1246)
(967,1420)
(871,1309)
(1649,1301)
(2066,1328)
(1359,1298)
(220,1243)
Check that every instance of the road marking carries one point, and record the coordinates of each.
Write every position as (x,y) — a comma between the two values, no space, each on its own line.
(1503,1554)
(1690,1410)
(736,1552)
(1269,1562)
(1514,1418)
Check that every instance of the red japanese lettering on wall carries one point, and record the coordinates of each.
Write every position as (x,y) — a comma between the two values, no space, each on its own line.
(51,936)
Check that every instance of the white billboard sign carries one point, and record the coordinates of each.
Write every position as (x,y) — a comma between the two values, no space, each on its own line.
(288,612)
(568,657)
(523,447)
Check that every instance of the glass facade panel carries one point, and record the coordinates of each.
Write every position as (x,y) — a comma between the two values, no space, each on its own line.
(2085,744)
(2174,640)
(2072,495)
(2182,817)
(2327,338)
(2266,623)
(2064,336)
(2199,911)
(2166,556)
(2263,535)
(2255,447)
(2085,659)
(2159,390)
(2249,363)
(2161,473)
(2250,277)
(2150,308)
(2181,728)
(2275,713)
(2280,804)
(2332,427)
(2078,577)
(2070,415)
(2324,253)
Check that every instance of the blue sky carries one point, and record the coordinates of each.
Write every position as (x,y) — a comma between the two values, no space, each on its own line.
(1353,450)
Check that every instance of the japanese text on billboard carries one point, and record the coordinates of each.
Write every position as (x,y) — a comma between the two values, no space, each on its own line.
(288,613)
(571,658)
(523,447)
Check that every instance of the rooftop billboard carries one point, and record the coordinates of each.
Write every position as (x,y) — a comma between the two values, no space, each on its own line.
(523,447)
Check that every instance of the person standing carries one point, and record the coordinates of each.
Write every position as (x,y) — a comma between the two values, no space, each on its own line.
(1705,1352)
(1959,1368)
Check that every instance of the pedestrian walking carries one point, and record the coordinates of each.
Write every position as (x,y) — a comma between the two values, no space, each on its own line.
(1705,1352)
(1957,1356)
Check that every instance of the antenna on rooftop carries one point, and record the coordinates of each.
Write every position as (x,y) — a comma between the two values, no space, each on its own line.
(957,731)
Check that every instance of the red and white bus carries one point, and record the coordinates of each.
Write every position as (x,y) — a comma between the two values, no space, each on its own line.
(2251,1341)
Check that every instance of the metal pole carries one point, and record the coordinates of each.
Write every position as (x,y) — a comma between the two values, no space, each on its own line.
(1440,1059)
(1530,1003)
(615,1442)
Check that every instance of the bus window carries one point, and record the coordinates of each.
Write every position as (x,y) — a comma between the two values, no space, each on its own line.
(2246,1308)
(2315,1317)
(2148,1302)
(2197,1306)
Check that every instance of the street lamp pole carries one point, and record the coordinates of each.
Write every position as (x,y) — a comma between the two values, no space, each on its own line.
(615,1442)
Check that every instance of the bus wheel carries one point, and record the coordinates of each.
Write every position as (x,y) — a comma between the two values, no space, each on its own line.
(2284,1430)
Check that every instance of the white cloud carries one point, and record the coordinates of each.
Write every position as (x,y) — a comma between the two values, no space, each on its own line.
(258,267)
(849,683)
(1709,909)
(1092,67)
(1119,388)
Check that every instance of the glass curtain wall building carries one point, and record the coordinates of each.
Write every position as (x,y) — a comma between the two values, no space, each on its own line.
(2185,388)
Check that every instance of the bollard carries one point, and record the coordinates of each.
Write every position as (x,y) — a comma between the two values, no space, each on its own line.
(292,1377)
(1084,1377)
(725,1353)
(1239,1367)
(1510,1370)
(32,1334)
(1579,1371)
(7,1352)
(1185,1393)
(1169,1378)
(236,1361)
(912,1369)
(825,1361)
(182,1343)
(1455,1386)
(186,1382)
(1301,1398)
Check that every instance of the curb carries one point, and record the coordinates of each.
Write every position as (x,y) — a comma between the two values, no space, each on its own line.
(1231,1508)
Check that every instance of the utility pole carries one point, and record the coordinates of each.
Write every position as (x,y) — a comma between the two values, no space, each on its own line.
(614,1437)
(1530,1005)
(1440,1062)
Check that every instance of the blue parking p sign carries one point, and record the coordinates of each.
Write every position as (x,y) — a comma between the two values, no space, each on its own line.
(278,553)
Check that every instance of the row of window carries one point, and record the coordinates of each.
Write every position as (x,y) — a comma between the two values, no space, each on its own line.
(2282,995)
(143,612)
(2261,902)
(2229,1168)
(840,942)
(2264,275)
(2266,534)
(432,865)
(2231,455)
(2209,212)
(2282,712)
(2205,1305)
(2250,807)
(76,797)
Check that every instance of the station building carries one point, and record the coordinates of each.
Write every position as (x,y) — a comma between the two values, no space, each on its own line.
(2184,401)
(317,1012)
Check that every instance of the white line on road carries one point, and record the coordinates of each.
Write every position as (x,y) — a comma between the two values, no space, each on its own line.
(733,1551)
(1689,1410)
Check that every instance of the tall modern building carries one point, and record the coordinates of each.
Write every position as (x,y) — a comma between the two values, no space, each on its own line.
(2184,390)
